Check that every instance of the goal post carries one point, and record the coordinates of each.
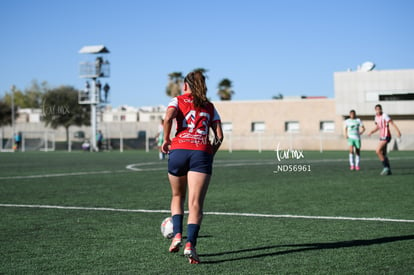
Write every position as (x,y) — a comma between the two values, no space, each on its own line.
(38,141)
(6,144)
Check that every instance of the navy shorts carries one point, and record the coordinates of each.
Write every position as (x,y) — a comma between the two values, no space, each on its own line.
(180,161)
(387,139)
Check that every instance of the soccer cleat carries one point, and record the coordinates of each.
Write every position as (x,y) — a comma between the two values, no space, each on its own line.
(352,167)
(357,168)
(385,172)
(176,243)
(191,254)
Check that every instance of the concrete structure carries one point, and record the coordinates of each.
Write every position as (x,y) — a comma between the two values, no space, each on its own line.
(125,121)
(289,123)
(310,124)
(393,89)
(317,124)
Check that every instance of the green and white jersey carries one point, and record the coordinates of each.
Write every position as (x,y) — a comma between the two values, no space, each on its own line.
(352,126)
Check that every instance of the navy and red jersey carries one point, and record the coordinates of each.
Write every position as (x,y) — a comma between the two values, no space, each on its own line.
(193,124)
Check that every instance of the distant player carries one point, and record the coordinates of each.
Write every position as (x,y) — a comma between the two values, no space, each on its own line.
(190,157)
(160,140)
(353,131)
(382,122)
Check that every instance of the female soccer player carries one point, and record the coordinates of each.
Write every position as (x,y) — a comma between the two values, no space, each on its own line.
(190,157)
(353,134)
(382,122)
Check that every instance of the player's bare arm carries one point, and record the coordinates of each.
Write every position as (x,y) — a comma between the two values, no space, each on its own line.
(218,136)
(396,128)
(374,130)
(362,129)
(168,121)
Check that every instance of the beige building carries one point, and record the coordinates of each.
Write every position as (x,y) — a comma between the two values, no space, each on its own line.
(318,123)
(310,124)
(290,123)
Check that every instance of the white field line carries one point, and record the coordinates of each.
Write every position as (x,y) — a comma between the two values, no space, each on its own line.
(140,167)
(60,175)
(207,213)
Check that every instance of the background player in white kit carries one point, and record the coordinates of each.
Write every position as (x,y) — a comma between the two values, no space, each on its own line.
(354,128)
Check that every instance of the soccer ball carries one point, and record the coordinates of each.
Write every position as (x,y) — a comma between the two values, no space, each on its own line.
(167,228)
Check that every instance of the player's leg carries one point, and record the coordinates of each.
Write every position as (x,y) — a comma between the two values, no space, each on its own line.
(382,155)
(351,154)
(177,175)
(381,148)
(197,189)
(357,153)
(178,189)
(198,177)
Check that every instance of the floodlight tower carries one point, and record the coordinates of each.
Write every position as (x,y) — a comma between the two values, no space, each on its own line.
(91,95)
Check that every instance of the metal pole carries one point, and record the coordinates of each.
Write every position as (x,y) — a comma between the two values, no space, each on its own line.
(146,141)
(13,115)
(23,144)
(45,136)
(320,142)
(230,142)
(69,143)
(93,124)
(93,116)
(121,142)
(260,141)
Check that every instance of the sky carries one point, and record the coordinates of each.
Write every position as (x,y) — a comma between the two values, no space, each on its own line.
(265,47)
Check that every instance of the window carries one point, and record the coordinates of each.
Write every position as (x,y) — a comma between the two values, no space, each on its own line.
(227,126)
(292,126)
(388,96)
(393,97)
(258,127)
(327,126)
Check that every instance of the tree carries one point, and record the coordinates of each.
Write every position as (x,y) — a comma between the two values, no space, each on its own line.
(224,89)
(174,84)
(34,94)
(6,113)
(279,96)
(29,98)
(61,108)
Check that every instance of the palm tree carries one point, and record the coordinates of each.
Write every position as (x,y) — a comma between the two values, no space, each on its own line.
(174,84)
(224,89)
(279,96)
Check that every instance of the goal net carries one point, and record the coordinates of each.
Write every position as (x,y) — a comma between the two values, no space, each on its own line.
(38,141)
(6,145)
